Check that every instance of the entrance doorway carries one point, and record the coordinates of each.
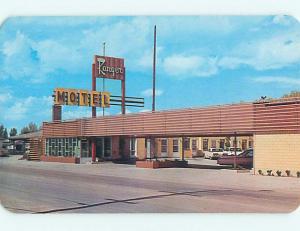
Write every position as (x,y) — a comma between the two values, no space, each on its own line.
(133,148)
(103,147)
(86,154)
(176,153)
(148,144)
(164,147)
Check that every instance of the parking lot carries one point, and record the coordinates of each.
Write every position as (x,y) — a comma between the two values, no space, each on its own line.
(44,187)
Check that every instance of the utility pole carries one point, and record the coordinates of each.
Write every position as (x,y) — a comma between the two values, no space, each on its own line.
(152,140)
(154,70)
(103,79)
(235,145)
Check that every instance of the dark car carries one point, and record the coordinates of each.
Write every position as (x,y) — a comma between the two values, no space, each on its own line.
(245,159)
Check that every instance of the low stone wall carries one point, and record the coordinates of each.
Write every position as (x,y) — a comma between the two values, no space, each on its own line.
(160,164)
(61,159)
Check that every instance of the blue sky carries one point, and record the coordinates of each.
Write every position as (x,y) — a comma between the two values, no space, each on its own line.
(205,60)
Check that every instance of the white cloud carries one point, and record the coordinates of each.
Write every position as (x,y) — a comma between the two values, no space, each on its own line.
(80,112)
(183,66)
(145,110)
(278,79)
(265,54)
(4,97)
(27,108)
(283,20)
(76,112)
(26,59)
(148,92)
(145,61)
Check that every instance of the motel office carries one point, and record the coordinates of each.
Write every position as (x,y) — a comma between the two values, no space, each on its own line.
(272,128)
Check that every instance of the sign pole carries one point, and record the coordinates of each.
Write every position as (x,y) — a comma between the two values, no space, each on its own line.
(94,112)
(123,93)
(103,82)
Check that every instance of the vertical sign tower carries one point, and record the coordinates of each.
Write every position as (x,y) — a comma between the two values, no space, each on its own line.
(107,68)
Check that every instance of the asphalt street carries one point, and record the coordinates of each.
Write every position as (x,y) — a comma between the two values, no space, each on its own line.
(40,187)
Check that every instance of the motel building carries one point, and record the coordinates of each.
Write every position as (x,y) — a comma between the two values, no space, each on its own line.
(270,127)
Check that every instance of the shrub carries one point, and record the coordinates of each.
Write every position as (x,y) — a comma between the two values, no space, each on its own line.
(260,172)
(288,172)
(298,174)
(269,172)
(278,172)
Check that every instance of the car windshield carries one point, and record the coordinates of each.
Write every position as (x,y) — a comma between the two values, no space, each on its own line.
(216,150)
(247,153)
(237,149)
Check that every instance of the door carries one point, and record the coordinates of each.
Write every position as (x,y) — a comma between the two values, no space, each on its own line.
(148,143)
(205,145)
(164,147)
(107,147)
(99,148)
(133,147)
(194,147)
(176,153)
(86,155)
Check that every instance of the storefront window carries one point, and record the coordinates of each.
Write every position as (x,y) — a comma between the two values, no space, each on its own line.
(61,146)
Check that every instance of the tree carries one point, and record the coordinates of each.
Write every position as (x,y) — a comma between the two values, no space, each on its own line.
(5,134)
(292,94)
(32,127)
(13,132)
(25,130)
(1,130)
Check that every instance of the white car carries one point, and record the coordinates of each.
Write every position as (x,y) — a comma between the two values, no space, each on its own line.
(214,153)
(231,151)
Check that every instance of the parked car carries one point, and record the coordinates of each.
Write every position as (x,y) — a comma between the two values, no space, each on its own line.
(3,152)
(231,151)
(244,159)
(214,153)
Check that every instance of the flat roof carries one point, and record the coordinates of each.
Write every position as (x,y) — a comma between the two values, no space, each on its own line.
(27,136)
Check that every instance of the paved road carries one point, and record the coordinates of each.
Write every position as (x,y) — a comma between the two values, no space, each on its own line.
(39,187)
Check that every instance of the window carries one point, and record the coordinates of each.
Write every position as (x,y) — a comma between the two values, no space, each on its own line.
(107,146)
(164,145)
(186,143)
(250,144)
(244,144)
(213,143)
(175,145)
(222,143)
(61,146)
(194,144)
(205,144)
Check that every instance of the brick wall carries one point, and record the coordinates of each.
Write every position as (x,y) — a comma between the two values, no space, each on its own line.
(277,152)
